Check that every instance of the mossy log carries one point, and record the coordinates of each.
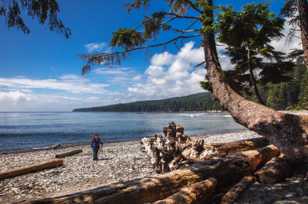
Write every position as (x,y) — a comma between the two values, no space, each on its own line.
(31,169)
(196,193)
(67,154)
(237,189)
(227,170)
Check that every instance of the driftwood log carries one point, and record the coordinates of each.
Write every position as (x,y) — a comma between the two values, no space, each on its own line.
(237,189)
(31,169)
(197,193)
(229,170)
(277,169)
(173,149)
(67,154)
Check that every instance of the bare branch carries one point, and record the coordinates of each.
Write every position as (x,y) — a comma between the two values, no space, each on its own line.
(193,6)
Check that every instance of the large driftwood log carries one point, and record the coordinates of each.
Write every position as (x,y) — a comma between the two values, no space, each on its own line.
(196,193)
(237,189)
(277,169)
(31,169)
(242,145)
(67,154)
(229,170)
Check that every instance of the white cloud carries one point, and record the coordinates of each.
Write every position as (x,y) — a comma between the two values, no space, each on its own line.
(171,75)
(67,83)
(287,44)
(96,47)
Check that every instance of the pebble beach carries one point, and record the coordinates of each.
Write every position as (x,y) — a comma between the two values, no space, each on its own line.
(120,161)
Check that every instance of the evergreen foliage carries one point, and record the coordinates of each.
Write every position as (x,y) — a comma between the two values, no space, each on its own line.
(195,102)
(46,11)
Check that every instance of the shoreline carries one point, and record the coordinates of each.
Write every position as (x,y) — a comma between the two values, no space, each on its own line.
(60,146)
(118,162)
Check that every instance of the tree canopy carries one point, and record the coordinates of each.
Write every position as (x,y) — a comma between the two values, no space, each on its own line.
(247,35)
(46,11)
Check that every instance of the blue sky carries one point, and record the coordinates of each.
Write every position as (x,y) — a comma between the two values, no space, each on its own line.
(41,71)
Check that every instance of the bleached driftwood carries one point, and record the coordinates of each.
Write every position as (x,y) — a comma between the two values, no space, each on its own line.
(226,170)
(31,169)
(173,149)
(67,154)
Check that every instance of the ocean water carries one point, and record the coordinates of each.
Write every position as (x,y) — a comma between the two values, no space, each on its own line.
(36,130)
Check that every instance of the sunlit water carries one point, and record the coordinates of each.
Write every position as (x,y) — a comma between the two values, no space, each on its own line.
(33,130)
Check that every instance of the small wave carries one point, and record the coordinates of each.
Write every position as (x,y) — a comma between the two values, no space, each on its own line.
(227,116)
(192,115)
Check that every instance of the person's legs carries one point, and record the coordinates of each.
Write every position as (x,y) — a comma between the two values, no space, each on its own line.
(95,150)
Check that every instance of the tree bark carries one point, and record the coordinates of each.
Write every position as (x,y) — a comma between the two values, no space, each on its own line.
(31,169)
(302,7)
(282,129)
(237,189)
(197,193)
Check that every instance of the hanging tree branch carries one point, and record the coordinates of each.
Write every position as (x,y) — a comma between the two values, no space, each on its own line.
(115,57)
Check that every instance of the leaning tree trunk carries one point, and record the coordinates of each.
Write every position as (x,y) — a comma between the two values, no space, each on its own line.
(302,7)
(282,129)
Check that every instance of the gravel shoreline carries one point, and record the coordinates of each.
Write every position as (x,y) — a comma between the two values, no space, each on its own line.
(120,161)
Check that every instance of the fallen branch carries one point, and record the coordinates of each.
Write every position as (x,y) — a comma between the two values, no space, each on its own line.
(67,154)
(237,189)
(31,169)
(200,192)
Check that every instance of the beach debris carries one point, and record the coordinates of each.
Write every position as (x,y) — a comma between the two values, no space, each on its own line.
(173,149)
(31,169)
(67,154)
(227,171)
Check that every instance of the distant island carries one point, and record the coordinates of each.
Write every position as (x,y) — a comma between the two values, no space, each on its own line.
(195,102)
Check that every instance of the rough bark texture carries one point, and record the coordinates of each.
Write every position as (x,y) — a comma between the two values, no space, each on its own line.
(276,170)
(67,154)
(197,193)
(303,22)
(237,189)
(31,169)
(282,129)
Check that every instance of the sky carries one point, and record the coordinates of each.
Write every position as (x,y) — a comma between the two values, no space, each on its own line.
(41,71)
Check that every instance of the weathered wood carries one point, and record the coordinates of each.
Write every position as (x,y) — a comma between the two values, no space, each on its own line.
(237,189)
(31,169)
(67,154)
(277,169)
(196,193)
(241,145)
(257,158)
(229,170)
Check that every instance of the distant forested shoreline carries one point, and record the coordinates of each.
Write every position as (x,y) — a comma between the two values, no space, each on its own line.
(194,102)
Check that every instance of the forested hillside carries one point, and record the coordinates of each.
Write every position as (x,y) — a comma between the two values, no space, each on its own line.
(289,95)
(195,102)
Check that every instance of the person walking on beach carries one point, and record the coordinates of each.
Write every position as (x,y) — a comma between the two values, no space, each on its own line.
(96,143)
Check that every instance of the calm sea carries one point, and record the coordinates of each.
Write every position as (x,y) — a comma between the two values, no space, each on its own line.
(35,130)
